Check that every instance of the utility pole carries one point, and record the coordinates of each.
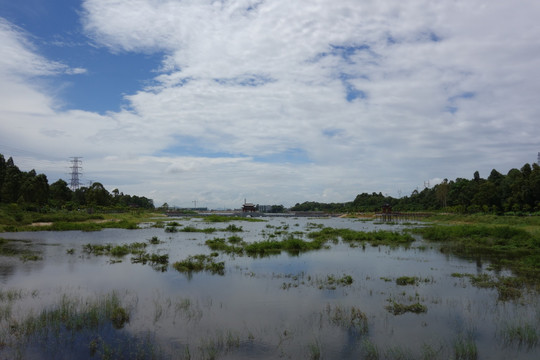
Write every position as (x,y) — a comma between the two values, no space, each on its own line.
(75,167)
(195,203)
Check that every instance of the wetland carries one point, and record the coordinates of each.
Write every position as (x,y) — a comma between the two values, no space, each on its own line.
(293,288)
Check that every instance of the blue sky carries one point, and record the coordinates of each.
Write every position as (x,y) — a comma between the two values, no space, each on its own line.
(274,101)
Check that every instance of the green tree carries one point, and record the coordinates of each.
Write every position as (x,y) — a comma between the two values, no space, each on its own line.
(60,193)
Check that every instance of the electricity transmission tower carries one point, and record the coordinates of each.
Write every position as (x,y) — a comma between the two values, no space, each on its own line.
(75,167)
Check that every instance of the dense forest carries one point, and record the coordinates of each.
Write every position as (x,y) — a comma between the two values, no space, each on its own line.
(32,191)
(516,192)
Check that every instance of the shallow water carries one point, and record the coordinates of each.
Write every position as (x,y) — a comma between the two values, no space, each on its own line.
(276,306)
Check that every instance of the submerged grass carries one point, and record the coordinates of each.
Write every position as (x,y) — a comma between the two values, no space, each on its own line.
(520,335)
(18,248)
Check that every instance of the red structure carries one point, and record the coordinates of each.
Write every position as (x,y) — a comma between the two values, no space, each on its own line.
(249,207)
(387,209)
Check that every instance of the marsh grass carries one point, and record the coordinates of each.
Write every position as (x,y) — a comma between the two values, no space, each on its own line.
(351,319)
(197,263)
(508,288)
(465,347)
(191,228)
(519,335)
(505,246)
(158,262)
(353,237)
(70,320)
(19,248)
(396,308)
(407,280)
(114,250)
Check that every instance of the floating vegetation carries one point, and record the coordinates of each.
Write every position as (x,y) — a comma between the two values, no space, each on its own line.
(399,309)
(196,263)
(375,238)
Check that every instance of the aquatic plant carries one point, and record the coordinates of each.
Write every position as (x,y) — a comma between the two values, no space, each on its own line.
(13,248)
(349,318)
(196,263)
(155,240)
(191,228)
(505,246)
(219,244)
(465,347)
(399,309)
(375,238)
(520,335)
(406,280)
(234,228)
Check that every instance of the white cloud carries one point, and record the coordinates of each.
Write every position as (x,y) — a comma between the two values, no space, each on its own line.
(368,95)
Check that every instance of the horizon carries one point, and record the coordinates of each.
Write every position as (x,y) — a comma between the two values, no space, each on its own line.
(277,102)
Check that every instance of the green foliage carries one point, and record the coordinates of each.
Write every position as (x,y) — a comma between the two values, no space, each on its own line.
(406,280)
(399,309)
(517,192)
(505,246)
(375,238)
(33,191)
(196,263)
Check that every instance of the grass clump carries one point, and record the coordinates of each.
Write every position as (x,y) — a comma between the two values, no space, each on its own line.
(190,228)
(197,263)
(158,262)
(521,335)
(291,244)
(465,348)
(399,309)
(219,244)
(406,280)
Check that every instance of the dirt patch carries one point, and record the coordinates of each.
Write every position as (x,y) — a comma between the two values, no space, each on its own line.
(41,224)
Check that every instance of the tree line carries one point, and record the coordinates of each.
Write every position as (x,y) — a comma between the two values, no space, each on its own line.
(516,192)
(33,192)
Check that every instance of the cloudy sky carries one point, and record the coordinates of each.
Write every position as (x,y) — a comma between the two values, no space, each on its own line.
(274,101)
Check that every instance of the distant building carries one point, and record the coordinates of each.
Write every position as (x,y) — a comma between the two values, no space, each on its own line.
(265,208)
(249,207)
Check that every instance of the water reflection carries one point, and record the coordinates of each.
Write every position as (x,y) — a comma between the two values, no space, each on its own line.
(277,306)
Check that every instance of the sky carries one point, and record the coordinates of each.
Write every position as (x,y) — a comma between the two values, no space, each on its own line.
(217,102)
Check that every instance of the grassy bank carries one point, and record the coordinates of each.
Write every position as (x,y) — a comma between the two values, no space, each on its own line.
(509,242)
(13,219)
